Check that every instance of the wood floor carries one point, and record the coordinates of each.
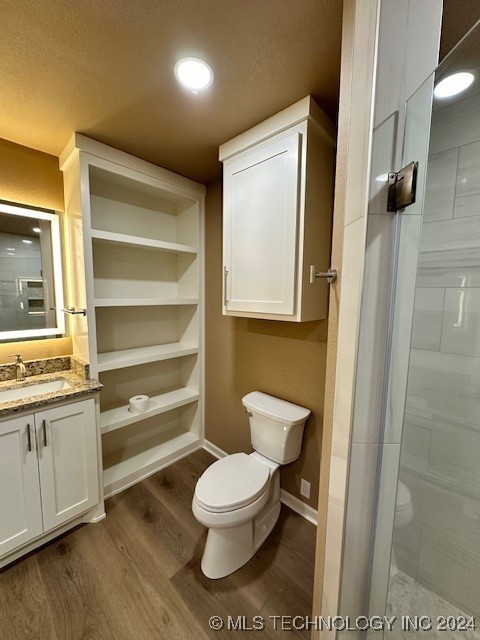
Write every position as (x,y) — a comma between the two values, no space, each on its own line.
(136,575)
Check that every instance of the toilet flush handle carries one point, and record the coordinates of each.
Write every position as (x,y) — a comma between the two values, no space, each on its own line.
(249,413)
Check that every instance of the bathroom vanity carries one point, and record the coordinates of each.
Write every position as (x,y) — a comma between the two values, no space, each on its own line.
(49,455)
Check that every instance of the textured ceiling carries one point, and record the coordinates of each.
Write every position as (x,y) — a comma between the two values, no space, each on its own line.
(105,69)
(458,17)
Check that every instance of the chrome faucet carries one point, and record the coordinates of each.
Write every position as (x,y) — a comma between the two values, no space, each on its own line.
(20,367)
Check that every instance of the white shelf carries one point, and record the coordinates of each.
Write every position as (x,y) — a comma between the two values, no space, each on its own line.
(142,355)
(175,444)
(121,417)
(143,302)
(136,241)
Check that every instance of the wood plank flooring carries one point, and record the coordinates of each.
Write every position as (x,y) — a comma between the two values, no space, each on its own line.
(136,575)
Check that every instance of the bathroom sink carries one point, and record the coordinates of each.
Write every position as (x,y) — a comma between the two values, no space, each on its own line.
(32,390)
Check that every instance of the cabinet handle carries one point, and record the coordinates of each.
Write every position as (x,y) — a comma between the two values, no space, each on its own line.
(29,438)
(44,428)
(225,284)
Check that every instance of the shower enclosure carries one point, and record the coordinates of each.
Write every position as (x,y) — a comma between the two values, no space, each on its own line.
(432,399)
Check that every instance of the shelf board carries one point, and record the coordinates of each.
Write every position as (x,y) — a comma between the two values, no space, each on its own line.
(143,302)
(132,357)
(121,416)
(136,241)
(132,465)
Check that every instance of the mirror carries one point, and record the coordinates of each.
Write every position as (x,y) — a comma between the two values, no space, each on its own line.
(31,287)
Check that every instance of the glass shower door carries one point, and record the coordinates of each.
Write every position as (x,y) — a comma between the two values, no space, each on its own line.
(428,521)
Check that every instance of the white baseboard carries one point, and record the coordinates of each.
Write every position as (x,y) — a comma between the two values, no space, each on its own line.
(214,450)
(300,507)
(304,510)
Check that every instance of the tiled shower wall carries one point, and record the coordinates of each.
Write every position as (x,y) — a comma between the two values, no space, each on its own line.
(18,260)
(440,459)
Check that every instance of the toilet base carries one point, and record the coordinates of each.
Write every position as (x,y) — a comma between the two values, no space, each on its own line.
(226,550)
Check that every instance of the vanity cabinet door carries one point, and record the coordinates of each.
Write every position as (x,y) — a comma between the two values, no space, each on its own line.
(20,507)
(261,195)
(67,452)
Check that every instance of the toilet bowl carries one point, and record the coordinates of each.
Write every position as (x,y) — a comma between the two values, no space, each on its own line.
(403,506)
(238,497)
(403,517)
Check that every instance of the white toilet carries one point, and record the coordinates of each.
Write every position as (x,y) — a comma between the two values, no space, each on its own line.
(403,517)
(238,497)
(403,506)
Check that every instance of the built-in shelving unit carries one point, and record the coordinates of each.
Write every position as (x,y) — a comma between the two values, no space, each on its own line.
(122,238)
(136,239)
(131,357)
(142,302)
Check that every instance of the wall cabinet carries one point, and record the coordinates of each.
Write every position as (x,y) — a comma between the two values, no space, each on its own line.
(48,471)
(277,212)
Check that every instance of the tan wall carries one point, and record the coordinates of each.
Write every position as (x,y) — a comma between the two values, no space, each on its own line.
(33,178)
(284,359)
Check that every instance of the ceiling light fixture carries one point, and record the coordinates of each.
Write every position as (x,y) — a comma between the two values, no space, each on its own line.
(36,229)
(194,74)
(453,85)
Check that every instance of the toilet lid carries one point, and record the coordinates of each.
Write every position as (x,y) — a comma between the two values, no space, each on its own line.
(404,498)
(231,483)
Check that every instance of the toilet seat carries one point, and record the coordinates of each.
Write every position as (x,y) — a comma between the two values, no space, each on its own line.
(231,483)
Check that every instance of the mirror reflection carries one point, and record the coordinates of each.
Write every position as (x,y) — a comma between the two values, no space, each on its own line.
(28,283)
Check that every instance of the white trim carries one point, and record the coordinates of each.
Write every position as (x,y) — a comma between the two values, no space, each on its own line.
(102,152)
(300,507)
(303,110)
(295,504)
(214,450)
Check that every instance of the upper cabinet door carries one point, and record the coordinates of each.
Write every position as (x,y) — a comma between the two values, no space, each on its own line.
(20,509)
(261,200)
(67,447)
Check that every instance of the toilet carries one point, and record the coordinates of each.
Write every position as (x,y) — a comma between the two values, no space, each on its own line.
(403,517)
(238,497)
(403,506)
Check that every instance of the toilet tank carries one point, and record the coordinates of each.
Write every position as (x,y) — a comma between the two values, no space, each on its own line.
(276,426)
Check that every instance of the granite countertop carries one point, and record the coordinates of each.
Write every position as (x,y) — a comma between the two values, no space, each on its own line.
(78,386)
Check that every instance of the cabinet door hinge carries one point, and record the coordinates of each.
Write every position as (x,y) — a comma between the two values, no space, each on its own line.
(402,187)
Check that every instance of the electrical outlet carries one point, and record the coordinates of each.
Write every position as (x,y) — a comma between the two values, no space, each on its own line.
(305,488)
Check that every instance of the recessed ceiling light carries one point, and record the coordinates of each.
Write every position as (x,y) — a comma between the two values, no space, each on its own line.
(27,241)
(36,229)
(194,74)
(454,84)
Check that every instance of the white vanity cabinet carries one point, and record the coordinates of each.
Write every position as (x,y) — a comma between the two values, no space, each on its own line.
(20,507)
(277,214)
(49,472)
(67,461)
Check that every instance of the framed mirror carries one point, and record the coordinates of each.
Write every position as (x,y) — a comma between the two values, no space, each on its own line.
(31,283)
